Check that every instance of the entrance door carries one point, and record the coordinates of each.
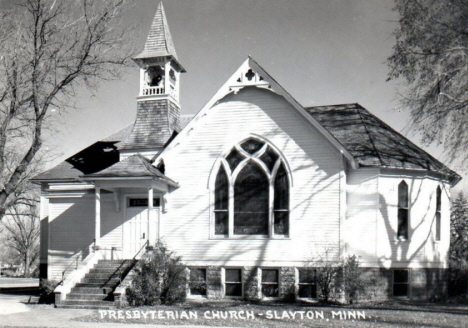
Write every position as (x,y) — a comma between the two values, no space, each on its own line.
(135,227)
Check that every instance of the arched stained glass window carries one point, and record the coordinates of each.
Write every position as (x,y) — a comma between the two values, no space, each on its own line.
(251,195)
(281,202)
(255,179)
(234,158)
(221,204)
(403,203)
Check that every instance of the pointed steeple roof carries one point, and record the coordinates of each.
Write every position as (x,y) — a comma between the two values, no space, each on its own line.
(159,42)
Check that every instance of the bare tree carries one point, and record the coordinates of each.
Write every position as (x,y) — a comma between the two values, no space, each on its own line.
(22,225)
(49,48)
(431,57)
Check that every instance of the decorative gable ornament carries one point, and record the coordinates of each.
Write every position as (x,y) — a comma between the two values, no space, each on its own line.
(247,77)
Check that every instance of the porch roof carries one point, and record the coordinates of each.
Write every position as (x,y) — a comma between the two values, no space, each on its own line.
(135,166)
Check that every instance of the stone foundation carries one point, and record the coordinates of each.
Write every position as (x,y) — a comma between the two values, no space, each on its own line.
(425,284)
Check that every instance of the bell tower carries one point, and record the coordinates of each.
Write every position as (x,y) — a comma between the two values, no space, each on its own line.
(158,107)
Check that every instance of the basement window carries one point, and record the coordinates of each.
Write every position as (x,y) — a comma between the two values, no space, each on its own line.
(401,282)
(270,282)
(307,283)
(233,282)
(198,281)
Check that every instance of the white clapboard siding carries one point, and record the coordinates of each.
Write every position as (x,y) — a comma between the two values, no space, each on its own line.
(111,223)
(361,214)
(421,249)
(44,226)
(315,166)
(71,227)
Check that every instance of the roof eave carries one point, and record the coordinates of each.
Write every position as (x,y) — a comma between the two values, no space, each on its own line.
(114,178)
(142,56)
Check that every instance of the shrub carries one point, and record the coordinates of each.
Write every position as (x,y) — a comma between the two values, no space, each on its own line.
(47,288)
(329,276)
(160,278)
(353,278)
(458,281)
(328,280)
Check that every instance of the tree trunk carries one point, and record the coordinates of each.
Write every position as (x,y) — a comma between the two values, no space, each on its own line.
(27,264)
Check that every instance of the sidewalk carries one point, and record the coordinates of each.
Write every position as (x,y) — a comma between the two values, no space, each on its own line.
(16,314)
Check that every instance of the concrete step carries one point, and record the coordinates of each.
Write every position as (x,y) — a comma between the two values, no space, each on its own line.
(108,281)
(87,303)
(106,271)
(96,285)
(91,290)
(102,275)
(90,297)
(87,306)
(112,264)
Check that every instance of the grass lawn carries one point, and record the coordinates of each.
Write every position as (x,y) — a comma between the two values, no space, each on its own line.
(241,314)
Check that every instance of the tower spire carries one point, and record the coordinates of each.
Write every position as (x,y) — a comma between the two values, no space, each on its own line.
(159,42)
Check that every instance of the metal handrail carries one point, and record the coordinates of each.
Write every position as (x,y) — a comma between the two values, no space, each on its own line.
(79,253)
(146,244)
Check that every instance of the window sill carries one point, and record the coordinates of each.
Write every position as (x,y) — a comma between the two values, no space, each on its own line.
(234,297)
(308,299)
(270,299)
(247,237)
(398,240)
(196,296)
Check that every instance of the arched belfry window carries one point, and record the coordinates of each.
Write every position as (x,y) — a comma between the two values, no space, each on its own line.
(251,194)
(403,207)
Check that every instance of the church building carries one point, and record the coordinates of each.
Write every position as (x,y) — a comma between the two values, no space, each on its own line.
(254,192)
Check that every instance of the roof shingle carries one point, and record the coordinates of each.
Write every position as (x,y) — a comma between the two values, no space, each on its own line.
(159,42)
(135,166)
(372,142)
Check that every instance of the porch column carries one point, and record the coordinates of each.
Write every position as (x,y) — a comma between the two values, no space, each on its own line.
(150,212)
(97,221)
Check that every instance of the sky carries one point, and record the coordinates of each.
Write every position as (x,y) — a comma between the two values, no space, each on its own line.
(321,51)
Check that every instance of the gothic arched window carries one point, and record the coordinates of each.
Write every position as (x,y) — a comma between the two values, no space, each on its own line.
(251,194)
(438,213)
(403,204)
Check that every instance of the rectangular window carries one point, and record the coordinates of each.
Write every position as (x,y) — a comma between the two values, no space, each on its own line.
(307,283)
(233,282)
(198,281)
(401,282)
(270,282)
(142,202)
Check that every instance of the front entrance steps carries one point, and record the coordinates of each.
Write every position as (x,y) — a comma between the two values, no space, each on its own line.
(95,290)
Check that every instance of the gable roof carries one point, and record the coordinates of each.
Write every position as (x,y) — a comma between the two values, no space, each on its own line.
(135,166)
(250,73)
(372,142)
